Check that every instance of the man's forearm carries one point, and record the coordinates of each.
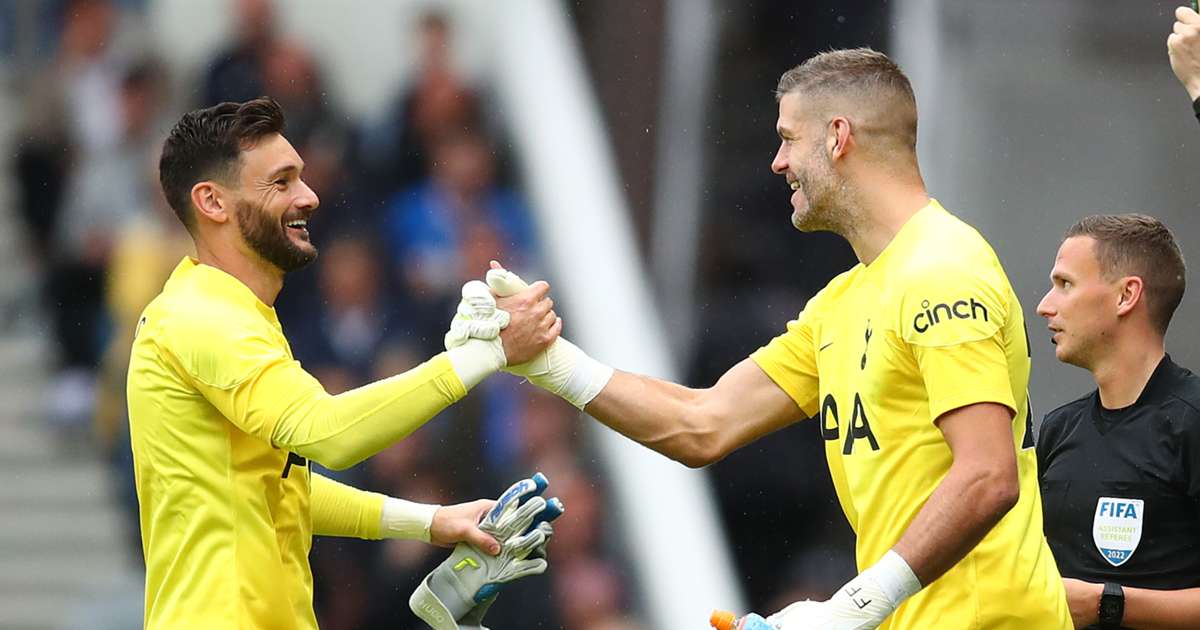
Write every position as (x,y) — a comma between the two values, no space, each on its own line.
(695,426)
(340,431)
(341,510)
(1150,609)
(660,415)
(960,512)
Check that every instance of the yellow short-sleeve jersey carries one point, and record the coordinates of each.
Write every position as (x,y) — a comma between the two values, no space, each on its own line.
(876,357)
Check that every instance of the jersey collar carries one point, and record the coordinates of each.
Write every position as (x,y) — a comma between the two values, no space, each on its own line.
(909,228)
(216,282)
(1157,387)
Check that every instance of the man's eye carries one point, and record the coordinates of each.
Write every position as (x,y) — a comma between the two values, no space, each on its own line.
(281,182)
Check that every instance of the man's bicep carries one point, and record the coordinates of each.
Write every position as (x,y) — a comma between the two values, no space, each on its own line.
(980,438)
(789,361)
(752,402)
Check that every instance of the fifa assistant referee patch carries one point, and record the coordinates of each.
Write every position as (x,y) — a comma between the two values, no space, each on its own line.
(1117,528)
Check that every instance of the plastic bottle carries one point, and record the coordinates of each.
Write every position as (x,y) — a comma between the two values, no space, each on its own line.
(724,620)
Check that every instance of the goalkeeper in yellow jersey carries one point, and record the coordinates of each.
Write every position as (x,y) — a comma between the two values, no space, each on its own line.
(224,421)
(913,364)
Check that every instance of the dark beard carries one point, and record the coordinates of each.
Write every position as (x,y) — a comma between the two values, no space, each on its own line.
(268,238)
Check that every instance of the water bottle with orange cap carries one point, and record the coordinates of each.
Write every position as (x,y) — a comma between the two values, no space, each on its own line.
(724,620)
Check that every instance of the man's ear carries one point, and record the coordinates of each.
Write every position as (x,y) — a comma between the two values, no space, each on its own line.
(1132,293)
(838,137)
(210,202)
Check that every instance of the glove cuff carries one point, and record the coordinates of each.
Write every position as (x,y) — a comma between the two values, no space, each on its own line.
(426,605)
(476,359)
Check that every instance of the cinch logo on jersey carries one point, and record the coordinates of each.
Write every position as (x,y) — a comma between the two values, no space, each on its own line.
(1117,528)
(931,316)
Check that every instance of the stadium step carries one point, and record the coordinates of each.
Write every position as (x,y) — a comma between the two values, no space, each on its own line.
(54,487)
(64,555)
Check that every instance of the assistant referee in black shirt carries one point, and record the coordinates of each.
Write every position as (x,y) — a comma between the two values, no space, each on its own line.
(1120,467)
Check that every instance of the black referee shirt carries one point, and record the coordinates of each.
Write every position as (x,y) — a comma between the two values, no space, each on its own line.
(1121,488)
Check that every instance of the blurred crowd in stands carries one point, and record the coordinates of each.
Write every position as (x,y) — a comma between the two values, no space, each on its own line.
(413,204)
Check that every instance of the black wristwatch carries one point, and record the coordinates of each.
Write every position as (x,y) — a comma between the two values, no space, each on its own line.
(1112,606)
(1196,108)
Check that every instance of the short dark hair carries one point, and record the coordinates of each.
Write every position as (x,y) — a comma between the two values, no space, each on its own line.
(1139,245)
(207,144)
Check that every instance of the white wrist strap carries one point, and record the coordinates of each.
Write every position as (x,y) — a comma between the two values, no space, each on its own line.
(895,578)
(586,381)
(476,359)
(568,372)
(406,519)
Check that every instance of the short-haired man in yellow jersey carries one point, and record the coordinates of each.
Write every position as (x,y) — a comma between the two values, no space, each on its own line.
(914,364)
(223,420)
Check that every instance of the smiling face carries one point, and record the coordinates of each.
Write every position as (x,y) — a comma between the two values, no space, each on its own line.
(272,204)
(804,162)
(1082,307)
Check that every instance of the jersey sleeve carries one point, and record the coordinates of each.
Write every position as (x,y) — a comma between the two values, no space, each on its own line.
(254,383)
(340,510)
(953,321)
(790,360)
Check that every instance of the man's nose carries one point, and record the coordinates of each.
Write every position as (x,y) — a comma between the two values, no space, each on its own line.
(1045,307)
(779,165)
(308,197)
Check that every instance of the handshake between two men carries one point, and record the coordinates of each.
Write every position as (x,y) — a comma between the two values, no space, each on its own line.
(519,334)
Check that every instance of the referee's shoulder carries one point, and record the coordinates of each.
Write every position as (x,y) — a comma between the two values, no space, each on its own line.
(1065,414)
(1186,390)
(1073,407)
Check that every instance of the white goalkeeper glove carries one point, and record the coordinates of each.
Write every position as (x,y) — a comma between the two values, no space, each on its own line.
(562,369)
(457,594)
(862,604)
(473,341)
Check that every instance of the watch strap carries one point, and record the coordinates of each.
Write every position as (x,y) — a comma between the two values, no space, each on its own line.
(1112,606)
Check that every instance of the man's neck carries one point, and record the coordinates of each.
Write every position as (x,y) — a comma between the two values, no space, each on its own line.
(262,278)
(882,213)
(1123,373)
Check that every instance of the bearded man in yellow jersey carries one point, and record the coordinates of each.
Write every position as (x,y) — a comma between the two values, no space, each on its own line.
(914,364)
(224,421)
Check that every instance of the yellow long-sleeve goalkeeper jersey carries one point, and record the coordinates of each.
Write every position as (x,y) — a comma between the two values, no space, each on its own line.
(223,421)
(931,325)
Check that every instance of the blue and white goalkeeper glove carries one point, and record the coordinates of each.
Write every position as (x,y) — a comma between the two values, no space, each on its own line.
(562,369)
(457,594)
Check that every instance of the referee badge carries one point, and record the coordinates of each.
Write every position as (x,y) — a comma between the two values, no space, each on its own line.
(1117,528)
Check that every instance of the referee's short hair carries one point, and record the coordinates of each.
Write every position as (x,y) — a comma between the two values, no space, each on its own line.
(206,144)
(1139,245)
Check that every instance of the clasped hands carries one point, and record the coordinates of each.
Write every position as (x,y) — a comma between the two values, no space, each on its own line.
(519,317)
